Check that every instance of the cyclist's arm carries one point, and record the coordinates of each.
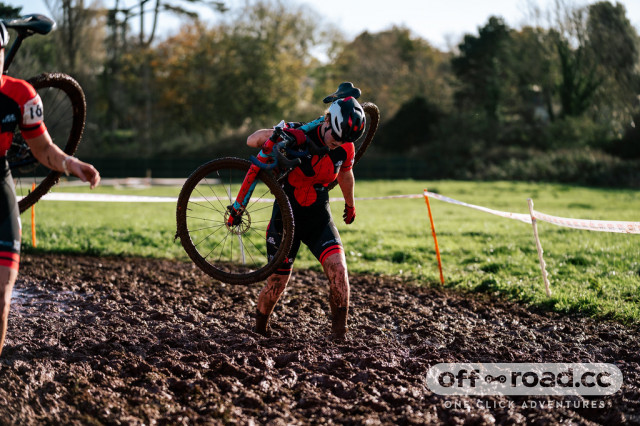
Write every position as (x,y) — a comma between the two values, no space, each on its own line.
(51,156)
(347,183)
(259,137)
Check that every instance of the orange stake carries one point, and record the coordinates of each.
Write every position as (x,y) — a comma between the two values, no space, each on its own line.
(435,239)
(33,219)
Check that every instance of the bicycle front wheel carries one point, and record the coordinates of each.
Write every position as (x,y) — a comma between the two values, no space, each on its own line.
(232,254)
(65,111)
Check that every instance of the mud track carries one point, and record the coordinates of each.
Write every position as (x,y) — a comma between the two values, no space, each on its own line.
(139,341)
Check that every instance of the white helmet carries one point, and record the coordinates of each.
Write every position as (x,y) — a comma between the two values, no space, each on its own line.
(4,36)
(347,119)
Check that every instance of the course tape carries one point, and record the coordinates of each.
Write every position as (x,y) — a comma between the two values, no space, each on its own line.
(591,225)
(111,198)
(585,224)
(517,216)
(108,198)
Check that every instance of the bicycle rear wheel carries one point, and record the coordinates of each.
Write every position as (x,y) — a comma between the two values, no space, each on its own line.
(238,254)
(65,113)
(363,143)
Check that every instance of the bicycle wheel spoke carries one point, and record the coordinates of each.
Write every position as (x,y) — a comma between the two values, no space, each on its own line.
(207,237)
(258,199)
(206,228)
(213,207)
(193,203)
(250,255)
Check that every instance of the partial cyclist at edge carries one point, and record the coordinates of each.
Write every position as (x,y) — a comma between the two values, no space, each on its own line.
(307,189)
(20,106)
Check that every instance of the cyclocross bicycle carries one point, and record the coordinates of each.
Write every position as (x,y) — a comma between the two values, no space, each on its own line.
(65,112)
(225,206)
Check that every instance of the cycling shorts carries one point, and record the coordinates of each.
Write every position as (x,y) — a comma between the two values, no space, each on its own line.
(10,227)
(313,226)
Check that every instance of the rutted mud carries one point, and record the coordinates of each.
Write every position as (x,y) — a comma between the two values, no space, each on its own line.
(140,341)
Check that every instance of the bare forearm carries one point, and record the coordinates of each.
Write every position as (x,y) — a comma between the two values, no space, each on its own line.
(47,153)
(347,183)
(51,156)
(258,138)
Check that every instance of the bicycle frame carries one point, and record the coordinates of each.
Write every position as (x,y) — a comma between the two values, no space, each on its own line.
(271,150)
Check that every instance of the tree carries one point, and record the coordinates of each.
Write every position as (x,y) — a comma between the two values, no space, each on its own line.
(615,46)
(414,125)
(598,52)
(7,11)
(391,67)
(482,69)
(250,70)
(78,36)
(532,63)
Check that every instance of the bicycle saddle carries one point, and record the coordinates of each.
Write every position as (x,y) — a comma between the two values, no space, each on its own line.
(35,23)
(345,89)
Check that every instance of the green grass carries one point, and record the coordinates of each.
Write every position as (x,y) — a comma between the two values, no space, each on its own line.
(591,273)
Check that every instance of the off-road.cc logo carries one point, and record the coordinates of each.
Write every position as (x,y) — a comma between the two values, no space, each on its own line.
(524,379)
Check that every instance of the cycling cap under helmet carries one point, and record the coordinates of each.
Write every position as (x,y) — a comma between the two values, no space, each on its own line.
(347,119)
(4,36)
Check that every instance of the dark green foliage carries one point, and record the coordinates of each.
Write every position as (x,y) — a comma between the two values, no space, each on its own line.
(414,124)
(482,68)
(7,11)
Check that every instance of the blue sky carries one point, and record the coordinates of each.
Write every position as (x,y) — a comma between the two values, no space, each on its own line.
(441,22)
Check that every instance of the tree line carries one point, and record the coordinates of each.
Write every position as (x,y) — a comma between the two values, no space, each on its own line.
(554,100)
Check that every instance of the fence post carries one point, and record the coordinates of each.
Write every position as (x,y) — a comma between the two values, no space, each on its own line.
(435,239)
(543,265)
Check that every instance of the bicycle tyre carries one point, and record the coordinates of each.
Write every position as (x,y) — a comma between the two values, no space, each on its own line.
(373,112)
(56,89)
(200,210)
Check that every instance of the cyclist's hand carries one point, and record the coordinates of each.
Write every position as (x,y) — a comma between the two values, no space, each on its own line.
(349,214)
(295,136)
(85,171)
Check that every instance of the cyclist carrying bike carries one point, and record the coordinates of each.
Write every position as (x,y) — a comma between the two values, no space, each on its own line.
(306,187)
(20,106)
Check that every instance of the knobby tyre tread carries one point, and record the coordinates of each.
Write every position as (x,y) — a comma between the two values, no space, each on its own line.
(373,112)
(239,277)
(76,96)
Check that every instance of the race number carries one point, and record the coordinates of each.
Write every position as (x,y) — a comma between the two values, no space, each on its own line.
(33,113)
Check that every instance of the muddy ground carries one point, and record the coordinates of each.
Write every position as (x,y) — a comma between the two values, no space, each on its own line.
(140,341)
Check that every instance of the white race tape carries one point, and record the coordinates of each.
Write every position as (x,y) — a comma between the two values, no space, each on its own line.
(586,224)
(591,225)
(111,198)
(517,216)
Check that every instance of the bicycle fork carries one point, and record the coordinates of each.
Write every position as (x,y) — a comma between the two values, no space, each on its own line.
(248,185)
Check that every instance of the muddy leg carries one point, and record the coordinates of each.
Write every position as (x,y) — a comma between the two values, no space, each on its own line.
(335,266)
(267,300)
(7,280)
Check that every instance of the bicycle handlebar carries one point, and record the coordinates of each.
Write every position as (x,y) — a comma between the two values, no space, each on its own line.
(276,152)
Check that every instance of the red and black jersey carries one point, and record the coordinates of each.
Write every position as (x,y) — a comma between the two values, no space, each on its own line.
(20,106)
(307,185)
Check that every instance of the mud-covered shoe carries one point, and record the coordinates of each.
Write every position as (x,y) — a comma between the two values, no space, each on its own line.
(339,324)
(262,324)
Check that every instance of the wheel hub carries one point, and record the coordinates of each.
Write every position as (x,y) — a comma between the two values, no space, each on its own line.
(241,225)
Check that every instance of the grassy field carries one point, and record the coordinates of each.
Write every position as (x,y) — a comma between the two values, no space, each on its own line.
(591,273)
